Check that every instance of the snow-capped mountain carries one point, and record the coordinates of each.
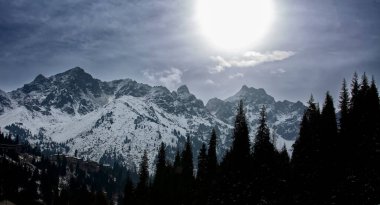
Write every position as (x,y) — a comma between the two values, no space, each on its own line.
(283,116)
(118,120)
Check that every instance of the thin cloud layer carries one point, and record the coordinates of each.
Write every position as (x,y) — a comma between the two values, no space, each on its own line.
(278,71)
(248,59)
(170,78)
(236,75)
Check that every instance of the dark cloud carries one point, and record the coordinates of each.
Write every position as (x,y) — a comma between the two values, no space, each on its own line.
(115,39)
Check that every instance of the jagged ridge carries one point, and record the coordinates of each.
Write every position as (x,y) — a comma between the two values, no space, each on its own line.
(117,120)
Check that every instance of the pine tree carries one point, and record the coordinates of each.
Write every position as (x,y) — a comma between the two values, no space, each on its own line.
(364,86)
(354,91)
(354,116)
(187,173)
(283,177)
(264,160)
(240,150)
(364,125)
(345,143)
(160,166)
(328,150)
(212,161)
(177,165)
(202,165)
(159,187)
(235,183)
(329,130)
(142,188)
(284,156)
(305,159)
(202,180)
(187,160)
(263,149)
(344,109)
(176,180)
(372,118)
(129,192)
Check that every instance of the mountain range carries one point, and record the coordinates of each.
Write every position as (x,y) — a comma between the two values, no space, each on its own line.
(74,113)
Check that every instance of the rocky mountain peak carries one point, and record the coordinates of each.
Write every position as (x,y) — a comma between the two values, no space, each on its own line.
(251,95)
(183,89)
(40,79)
(76,75)
(214,103)
(73,91)
(244,88)
(76,70)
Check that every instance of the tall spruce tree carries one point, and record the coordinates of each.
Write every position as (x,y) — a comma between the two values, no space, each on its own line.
(282,172)
(202,179)
(305,159)
(202,165)
(129,192)
(210,189)
(344,142)
(329,129)
(329,169)
(176,180)
(264,158)
(161,165)
(263,149)
(372,119)
(364,126)
(240,150)
(352,132)
(236,166)
(159,187)
(368,129)
(187,160)
(142,189)
(187,176)
(284,156)
(212,161)
(354,91)
(177,165)
(344,109)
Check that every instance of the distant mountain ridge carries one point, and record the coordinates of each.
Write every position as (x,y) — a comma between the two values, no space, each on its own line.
(117,120)
(283,116)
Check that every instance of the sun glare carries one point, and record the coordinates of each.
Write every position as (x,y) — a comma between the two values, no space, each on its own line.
(234,24)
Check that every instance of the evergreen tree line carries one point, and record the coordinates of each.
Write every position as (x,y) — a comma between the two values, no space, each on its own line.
(38,180)
(335,160)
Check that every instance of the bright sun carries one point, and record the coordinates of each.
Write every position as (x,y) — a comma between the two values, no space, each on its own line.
(234,24)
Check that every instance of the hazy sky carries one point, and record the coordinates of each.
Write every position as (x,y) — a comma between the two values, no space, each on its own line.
(310,47)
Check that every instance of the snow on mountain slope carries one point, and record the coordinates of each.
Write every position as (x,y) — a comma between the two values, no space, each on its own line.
(118,120)
(283,117)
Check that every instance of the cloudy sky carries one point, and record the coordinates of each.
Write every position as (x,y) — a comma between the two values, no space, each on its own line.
(309,47)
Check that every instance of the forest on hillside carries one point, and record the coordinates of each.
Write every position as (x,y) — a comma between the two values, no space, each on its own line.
(335,160)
